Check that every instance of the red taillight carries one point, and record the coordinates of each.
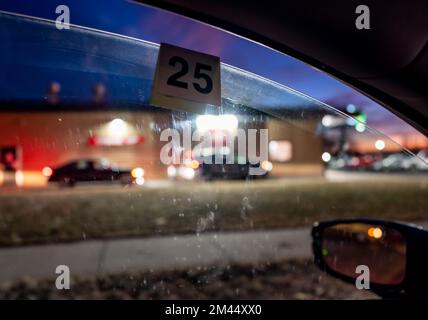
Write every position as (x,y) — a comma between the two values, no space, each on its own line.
(47,171)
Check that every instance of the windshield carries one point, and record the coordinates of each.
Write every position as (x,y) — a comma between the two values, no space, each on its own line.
(149,201)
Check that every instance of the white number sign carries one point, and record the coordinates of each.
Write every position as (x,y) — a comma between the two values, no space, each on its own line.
(186,80)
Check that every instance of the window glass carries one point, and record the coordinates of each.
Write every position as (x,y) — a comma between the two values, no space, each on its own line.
(225,217)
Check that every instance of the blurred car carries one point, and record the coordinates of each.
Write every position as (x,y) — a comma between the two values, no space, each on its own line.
(182,172)
(360,162)
(210,170)
(364,162)
(418,163)
(392,162)
(88,170)
(233,171)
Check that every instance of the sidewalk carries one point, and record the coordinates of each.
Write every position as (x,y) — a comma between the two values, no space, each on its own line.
(155,253)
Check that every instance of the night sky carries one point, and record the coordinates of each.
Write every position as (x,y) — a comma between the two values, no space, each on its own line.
(142,22)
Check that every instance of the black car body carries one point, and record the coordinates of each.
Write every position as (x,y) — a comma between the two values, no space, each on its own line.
(238,170)
(89,170)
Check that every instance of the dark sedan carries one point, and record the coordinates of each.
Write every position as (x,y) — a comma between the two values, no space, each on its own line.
(94,171)
(233,171)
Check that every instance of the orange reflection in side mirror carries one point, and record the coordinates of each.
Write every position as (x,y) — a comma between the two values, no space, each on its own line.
(382,249)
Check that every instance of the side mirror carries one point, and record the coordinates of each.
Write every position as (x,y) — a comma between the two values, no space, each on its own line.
(396,254)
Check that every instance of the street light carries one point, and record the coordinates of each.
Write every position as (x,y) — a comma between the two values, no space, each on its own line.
(326,157)
(360,127)
(380,144)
